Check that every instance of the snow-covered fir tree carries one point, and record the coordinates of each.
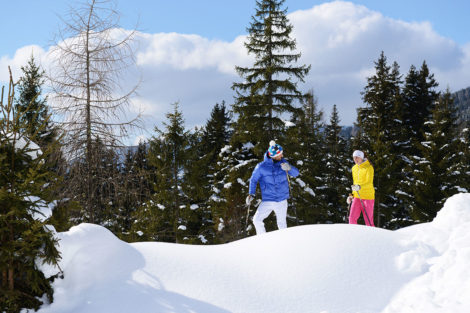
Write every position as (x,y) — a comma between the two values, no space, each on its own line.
(419,95)
(33,110)
(379,132)
(337,170)
(202,169)
(304,149)
(26,201)
(165,216)
(436,175)
(265,99)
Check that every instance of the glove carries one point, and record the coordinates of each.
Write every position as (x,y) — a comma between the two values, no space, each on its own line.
(355,187)
(286,166)
(249,198)
(349,199)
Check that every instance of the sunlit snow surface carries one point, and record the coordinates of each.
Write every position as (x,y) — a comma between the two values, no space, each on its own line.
(316,268)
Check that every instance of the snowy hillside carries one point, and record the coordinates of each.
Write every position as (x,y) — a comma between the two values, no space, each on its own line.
(316,268)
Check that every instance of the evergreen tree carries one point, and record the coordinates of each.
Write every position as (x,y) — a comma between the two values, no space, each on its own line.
(266,96)
(463,167)
(165,216)
(202,167)
(34,113)
(419,96)
(107,182)
(436,176)
(379,133)
(304,149)
(337,170)
(25,192)
(136,176)
(269,91)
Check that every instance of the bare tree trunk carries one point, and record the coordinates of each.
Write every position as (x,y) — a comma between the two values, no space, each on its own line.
(90,60)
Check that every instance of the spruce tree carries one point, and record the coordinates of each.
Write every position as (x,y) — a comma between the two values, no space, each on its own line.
(202,168)
(419,96)
(463,167)
(33,108)
(436,176)
(304,149)
(25,193)
(165,216)
(336,170)
(266,96)
(379,132)
(136,177)
(269,90)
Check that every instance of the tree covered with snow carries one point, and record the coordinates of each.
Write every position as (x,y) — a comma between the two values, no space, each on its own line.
(336,170)
(380,126)
(26,201)
(304,149)
(419,95)
(436,172)
(35,112)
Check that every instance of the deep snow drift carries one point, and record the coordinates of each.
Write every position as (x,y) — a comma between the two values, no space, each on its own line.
(316,268)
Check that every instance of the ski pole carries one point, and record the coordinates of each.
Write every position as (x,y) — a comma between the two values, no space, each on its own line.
(349,208)
(364,208)
(247,215)
(293,205)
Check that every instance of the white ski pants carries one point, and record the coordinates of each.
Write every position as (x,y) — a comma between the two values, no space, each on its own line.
(264,209)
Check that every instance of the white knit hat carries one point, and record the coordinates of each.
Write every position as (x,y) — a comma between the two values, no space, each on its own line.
(358,153)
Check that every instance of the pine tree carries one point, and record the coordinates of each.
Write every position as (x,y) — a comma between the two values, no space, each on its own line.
(379,133)
(336,169)
(463,167)
(266,96)
(304,149)
(269,91)
(419,96)
(202,167)
(33,109)
(165,216)
(436,177)
(25,192)
(136,176)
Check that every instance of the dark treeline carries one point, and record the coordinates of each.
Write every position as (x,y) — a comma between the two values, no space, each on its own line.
(189,185)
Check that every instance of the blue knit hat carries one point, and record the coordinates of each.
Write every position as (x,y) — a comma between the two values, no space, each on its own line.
(274,149)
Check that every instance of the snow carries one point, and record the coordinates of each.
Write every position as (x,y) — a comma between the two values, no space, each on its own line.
(288,124)
(241,182)
(42,210)
(26,145)
(336,268)
(248,146)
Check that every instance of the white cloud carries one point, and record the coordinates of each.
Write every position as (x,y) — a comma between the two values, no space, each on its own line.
(21,58)
(187,52)
(341,41)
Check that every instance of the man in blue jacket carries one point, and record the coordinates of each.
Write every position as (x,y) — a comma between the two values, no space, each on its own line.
(271,174)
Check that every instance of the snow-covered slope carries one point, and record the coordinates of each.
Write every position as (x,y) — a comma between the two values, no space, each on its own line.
(316,268)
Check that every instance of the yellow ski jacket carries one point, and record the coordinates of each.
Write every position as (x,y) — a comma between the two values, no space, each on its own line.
(363,175)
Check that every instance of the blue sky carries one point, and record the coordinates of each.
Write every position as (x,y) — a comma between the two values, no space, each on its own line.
(36,21)
(340,39)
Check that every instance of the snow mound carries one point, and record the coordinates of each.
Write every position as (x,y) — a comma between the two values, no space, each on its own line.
(316,268)
(445,286)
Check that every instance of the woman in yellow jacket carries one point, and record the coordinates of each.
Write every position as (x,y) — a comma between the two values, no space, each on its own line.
(363,189)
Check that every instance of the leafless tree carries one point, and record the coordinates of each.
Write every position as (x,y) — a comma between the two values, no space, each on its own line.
(91,57)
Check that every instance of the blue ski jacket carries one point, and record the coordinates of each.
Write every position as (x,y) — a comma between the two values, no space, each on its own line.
(272,179)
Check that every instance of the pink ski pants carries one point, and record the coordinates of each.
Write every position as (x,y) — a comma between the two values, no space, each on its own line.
(357,209)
